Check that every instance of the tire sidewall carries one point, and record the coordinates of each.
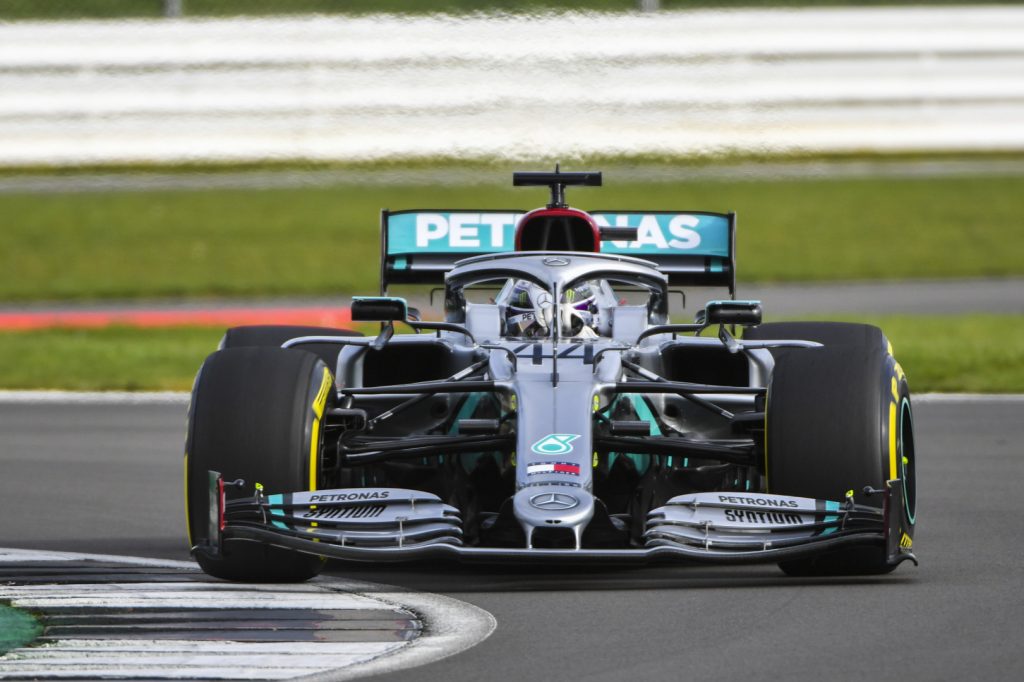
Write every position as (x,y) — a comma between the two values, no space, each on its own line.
(249,419)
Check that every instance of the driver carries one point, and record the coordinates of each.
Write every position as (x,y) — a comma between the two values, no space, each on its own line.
(579,310)
(529,312)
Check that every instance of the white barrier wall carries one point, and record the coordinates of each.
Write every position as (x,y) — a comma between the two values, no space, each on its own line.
(669,83)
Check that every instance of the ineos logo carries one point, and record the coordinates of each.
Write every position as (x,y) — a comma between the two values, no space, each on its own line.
(554,501)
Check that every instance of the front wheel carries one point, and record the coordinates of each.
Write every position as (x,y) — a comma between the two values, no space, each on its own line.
(256,415)
(838,419)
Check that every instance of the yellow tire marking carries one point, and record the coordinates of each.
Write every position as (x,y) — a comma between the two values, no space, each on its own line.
(315,441)
(892,440)
(319,403)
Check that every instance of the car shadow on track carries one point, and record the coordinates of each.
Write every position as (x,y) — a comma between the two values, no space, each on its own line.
(452,577)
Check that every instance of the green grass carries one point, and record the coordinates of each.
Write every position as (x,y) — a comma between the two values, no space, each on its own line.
(105,359)
(974,353)
(978,353)
(17,628)
(325,241)
(72,9)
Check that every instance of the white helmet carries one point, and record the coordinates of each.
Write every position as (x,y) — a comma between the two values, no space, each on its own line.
(528,312)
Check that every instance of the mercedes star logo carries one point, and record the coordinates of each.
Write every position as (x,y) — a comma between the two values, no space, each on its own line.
(556,260)
(554,501)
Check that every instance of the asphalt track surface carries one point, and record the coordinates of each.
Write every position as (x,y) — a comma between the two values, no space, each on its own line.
(106,478)
(924,297)
(147,181)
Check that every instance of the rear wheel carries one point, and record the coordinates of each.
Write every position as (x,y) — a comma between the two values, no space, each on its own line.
(839,419)
(255,414)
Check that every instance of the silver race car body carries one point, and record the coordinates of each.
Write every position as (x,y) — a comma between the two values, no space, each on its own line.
(556,414)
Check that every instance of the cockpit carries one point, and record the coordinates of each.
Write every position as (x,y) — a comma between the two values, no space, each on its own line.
(558,296)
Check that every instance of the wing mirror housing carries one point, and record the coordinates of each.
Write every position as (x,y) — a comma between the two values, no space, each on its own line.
(379,309)
(743,313)
(391,309)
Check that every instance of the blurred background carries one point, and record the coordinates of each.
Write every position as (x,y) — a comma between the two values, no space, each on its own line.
(172,167)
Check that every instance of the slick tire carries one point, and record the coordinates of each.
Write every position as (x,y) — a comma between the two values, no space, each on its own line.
(838,418)
(255,415)
(275,335)
(828,333)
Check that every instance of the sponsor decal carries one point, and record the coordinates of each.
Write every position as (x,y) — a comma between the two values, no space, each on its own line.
(758,501)
(555,444)
(906,542)
(366,511)
(349,497)
(654,232)
(553,468)
(452,232)
(554,501)
(768,518)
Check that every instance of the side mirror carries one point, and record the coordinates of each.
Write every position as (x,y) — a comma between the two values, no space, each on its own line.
(743,313)
(379,309)
(393,309)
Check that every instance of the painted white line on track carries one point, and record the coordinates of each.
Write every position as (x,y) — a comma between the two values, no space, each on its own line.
(95,397)
(279,179)
(967,397)
(170,646)
(181,397)
(8,554)
(450,626)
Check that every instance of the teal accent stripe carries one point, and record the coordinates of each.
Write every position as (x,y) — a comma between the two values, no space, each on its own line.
(644,413)
(401,263)
(716,265)
(469,406)
(905,407)
(277,500)
(834,507)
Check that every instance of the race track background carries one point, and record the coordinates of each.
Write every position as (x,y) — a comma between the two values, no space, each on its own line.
(106,478)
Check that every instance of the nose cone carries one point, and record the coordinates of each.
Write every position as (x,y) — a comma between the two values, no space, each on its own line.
(554,506)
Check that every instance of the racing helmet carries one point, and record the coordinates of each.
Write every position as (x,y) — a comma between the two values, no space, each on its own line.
(525,311)
(580,305)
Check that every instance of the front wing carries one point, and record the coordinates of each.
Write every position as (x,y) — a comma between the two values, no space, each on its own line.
(395,525)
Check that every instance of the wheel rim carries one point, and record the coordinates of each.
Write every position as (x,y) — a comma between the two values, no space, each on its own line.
(907,460)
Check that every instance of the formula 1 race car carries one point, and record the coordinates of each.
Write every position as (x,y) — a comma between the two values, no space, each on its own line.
(555,414)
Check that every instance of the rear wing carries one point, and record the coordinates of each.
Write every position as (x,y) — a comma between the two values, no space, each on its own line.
(694,248)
